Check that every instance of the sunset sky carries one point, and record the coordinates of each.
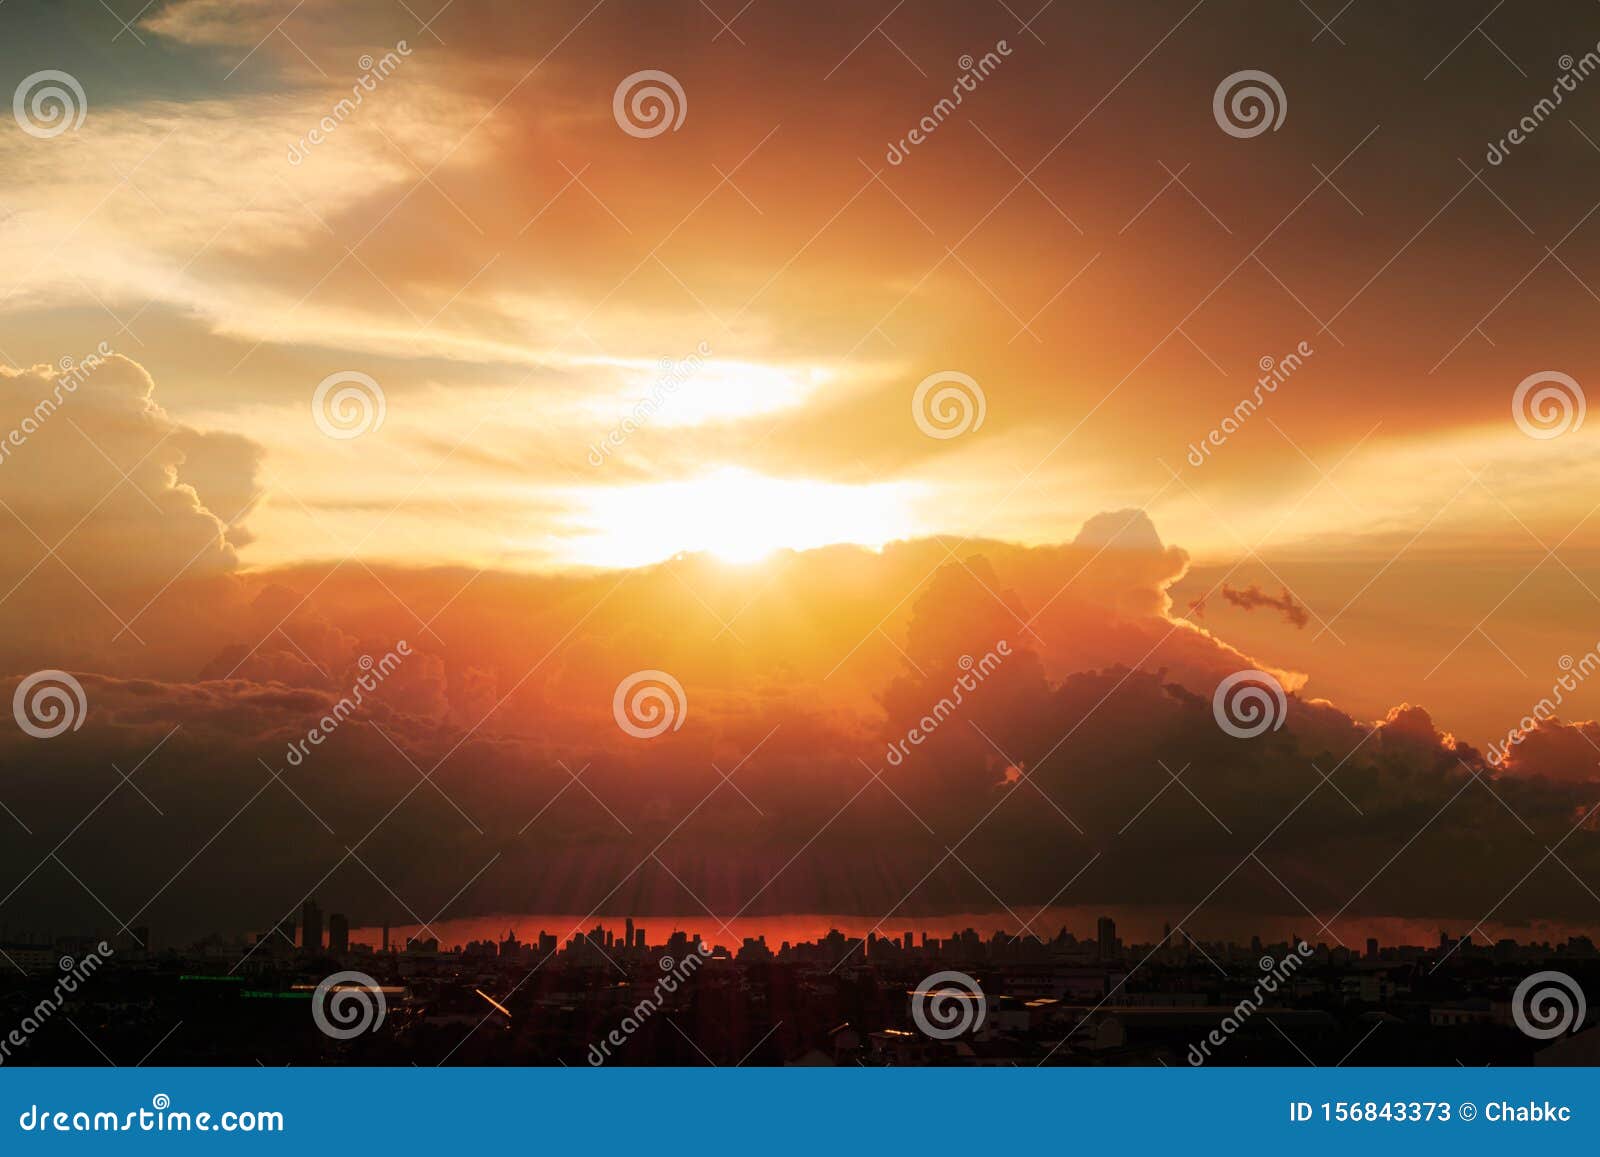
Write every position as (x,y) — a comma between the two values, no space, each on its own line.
(489,250)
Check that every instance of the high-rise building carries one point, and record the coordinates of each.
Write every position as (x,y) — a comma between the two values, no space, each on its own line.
(1107,935)
(1372,948)
(628,943)
(310,927)
(386,937)
(338,933)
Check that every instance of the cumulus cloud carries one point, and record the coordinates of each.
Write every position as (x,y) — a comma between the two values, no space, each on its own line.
(1052,692)
(1062,697)
(1569,752)
(100,493)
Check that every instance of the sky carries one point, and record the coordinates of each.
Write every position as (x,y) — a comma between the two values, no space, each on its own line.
(582,339)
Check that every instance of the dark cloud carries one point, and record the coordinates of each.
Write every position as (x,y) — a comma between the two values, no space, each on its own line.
(1252,597)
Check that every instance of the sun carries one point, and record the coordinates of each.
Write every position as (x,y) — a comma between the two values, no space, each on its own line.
(734,514)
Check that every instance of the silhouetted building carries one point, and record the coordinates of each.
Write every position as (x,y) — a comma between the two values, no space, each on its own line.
(1107,930)
(310,927)
(338,933)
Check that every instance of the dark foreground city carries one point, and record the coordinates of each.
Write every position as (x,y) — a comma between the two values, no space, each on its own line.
(609,997)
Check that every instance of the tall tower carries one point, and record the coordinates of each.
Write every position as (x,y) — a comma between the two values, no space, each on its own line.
(338,933)
(310,927)
(1108,937)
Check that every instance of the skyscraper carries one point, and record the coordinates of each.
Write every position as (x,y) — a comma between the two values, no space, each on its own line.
(338,933)
(310,927)
(1107,937)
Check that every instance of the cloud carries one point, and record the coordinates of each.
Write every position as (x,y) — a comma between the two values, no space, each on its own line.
(1252,597)
(1055,756)
(99,480)
(1566,752)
